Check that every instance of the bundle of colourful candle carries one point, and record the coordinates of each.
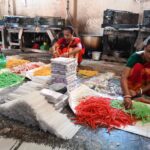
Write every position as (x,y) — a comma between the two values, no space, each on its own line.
(8,79)
(140,110)
(26,67)
(13,62)
(43,71)
(98,112)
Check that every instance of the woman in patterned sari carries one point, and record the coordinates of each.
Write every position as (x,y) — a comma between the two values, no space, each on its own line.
(68,46)
(135,79)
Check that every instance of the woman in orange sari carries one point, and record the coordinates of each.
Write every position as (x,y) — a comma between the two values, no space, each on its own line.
(135,79)
(68,46)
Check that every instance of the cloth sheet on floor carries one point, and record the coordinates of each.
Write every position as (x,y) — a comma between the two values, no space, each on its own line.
(83,91)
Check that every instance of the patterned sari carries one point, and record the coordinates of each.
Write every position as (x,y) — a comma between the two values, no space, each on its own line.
(139,77)
(62,46)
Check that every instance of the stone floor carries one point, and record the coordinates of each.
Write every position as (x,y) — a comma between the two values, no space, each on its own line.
(16,136)
(84,140)
(101,66)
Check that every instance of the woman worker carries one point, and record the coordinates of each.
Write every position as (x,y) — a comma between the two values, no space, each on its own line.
(135,78)
(68,46)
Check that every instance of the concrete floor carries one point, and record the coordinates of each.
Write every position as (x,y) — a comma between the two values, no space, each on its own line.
(85,139)
(101,66)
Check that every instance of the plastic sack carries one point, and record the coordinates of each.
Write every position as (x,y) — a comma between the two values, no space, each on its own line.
(2,61)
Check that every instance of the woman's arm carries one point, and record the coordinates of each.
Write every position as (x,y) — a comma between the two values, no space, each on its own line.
(143,100)
(124,81)
(125,89)
(146,88)
(143,90)
(54,50)
(74,51)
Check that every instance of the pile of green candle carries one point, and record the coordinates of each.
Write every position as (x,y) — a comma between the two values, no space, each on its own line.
(8,79)
(117,104)
(140,110)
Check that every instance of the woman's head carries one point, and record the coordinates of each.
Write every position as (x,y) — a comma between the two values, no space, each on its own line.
(147,50)
(68,33)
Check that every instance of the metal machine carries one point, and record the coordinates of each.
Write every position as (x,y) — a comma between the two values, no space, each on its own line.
(2,35)
(44,30)
(24,32)
(14,30)
(118,45)
(120,32)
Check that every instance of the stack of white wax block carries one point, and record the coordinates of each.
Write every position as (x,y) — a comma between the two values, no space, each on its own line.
(64,71)
(57,99)
(32,108)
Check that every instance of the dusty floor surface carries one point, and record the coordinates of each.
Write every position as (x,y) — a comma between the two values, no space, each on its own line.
(85,139)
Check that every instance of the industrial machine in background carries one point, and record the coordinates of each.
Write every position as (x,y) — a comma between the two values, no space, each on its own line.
(146,18)
(42,34)
(14,27)
(121,31)
(118,45)
(3,36)
(120,19)
(31,34)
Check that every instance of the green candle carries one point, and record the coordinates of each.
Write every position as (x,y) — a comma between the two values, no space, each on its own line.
(7,79)
(140,110)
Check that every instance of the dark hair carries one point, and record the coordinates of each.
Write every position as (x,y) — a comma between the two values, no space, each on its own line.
(69,28)
(148,42)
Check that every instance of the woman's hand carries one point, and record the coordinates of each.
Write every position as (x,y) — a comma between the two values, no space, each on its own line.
(143,100)
(64,55)
(133,93)
(127,103)
(55,54)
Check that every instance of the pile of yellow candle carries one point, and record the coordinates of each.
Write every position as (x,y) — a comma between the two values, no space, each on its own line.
(88,73)
(43,71)
(15,62)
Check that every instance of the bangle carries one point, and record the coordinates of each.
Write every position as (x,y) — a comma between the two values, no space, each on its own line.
(127,96)
(141,91)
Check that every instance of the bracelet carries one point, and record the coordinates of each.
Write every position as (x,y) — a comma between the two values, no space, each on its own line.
(141,91)
(127,96)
